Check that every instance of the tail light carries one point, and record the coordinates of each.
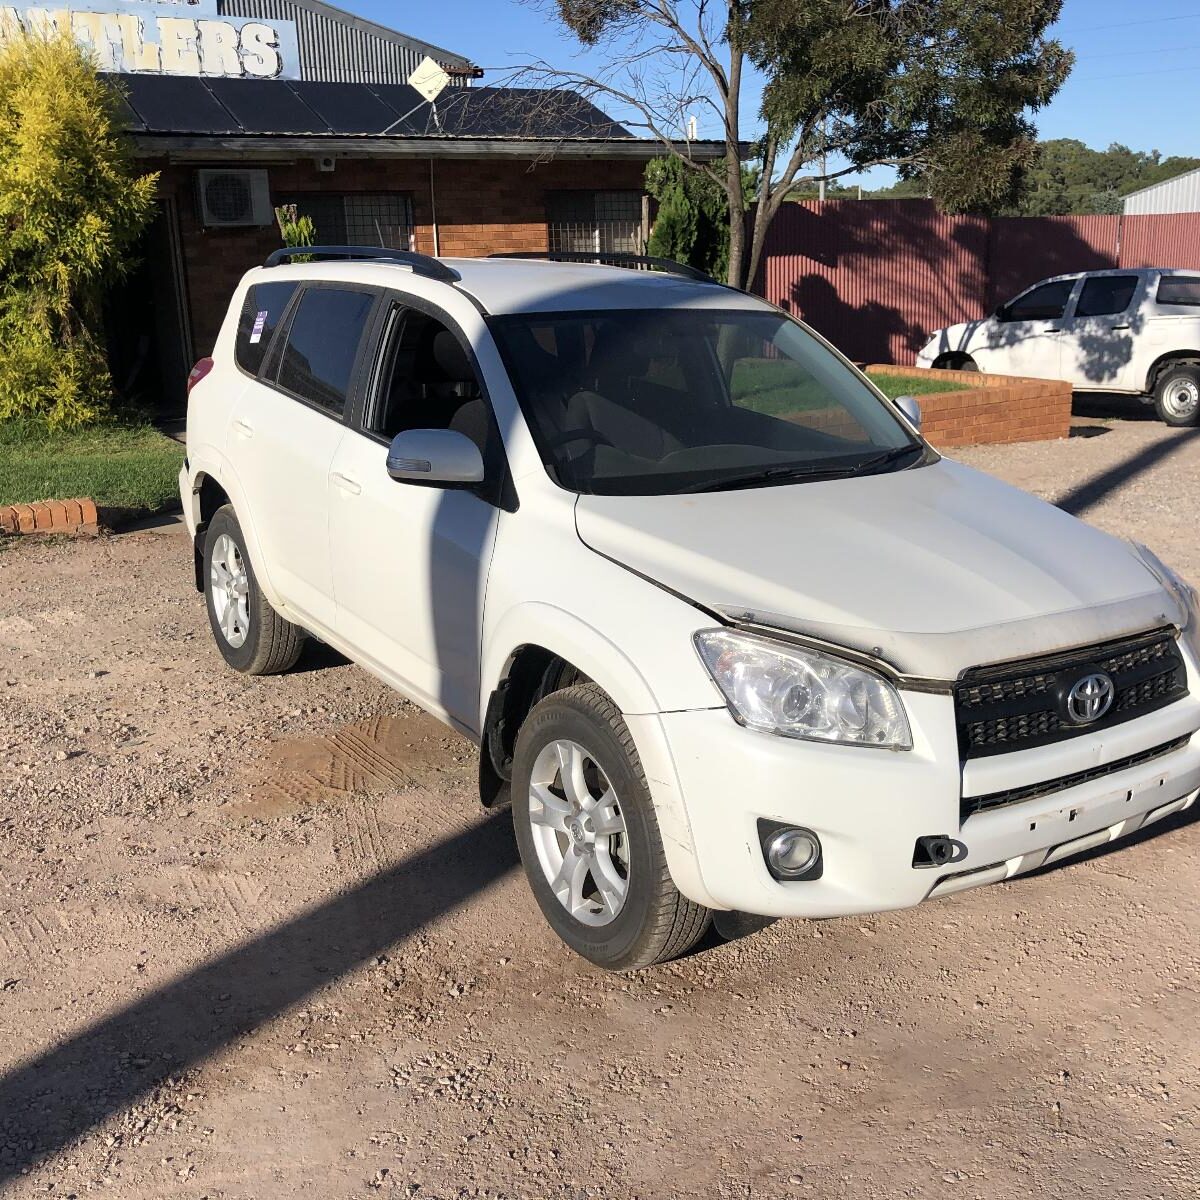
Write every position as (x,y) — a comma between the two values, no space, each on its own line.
(198,372)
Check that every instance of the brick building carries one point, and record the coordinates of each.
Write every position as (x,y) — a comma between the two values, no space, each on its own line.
(337,130)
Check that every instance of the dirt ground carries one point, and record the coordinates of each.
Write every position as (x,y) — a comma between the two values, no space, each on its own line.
(257,940)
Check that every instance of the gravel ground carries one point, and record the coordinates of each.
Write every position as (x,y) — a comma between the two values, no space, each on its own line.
(257,941)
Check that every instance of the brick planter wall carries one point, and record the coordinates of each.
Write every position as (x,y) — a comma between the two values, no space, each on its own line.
(991,408)
(49,516)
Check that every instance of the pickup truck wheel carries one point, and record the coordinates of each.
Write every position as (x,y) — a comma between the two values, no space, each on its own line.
(589,839)
(252,637)
(1177,395)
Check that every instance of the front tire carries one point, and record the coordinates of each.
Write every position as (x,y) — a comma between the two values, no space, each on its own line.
(589,839)
(1177,395)
(252,637)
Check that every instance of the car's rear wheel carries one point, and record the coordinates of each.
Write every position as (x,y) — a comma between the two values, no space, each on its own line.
(252,637)
(1177,394)
(589,839)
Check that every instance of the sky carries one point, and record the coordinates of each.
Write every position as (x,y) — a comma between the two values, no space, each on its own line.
(1133,80)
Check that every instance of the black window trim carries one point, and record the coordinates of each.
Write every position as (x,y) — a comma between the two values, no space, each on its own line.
(1076,282)
(274,356)
(284,321)
(498,488)
(1077,294)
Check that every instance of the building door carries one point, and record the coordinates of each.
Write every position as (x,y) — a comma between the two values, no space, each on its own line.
(146,322)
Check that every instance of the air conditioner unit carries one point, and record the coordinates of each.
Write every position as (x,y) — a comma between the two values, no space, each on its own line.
(231,198)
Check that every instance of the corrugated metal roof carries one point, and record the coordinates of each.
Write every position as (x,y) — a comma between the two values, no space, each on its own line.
(1178,195)
(339,47)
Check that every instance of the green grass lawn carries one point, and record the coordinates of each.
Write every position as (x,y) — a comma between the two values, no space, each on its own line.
(778,387)
(912,385)
(118,466)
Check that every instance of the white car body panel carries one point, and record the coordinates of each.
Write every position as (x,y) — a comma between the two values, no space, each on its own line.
(930,570)
(1114,352)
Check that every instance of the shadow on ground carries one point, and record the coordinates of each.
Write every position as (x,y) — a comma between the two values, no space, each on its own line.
(49,1101)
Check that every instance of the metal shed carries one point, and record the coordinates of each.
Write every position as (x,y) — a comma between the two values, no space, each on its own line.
(1178,195)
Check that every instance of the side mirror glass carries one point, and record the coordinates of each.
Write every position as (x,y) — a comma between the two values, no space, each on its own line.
(435,458)
(911,408)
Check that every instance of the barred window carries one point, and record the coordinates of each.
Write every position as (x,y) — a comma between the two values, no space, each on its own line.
(357,218)
(595,222)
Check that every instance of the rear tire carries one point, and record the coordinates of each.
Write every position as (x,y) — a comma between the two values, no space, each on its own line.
(583,817)
(1177,395)
(252,637)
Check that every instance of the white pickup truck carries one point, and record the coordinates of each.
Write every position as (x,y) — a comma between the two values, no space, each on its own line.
(730,633)
(1132,331)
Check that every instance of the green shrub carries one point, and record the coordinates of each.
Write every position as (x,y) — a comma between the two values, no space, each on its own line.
(71,209)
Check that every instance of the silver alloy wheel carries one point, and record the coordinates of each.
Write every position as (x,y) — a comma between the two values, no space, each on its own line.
(230,586)
(1182,398)
(579,833)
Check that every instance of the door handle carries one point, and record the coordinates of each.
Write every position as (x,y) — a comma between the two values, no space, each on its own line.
(346,483)
(244,428)
(1052,329)
(1125,326)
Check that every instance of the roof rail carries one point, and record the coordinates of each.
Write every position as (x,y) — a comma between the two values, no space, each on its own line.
(616,258)
(420,264)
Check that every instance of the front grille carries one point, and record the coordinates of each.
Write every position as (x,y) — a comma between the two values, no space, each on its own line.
(1015,706)
(970,805)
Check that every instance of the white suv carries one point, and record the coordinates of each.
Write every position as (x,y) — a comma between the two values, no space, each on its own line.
(1133,331)
(732,637)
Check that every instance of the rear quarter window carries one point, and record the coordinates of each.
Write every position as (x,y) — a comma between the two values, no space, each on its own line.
(1182,290)
(261,312)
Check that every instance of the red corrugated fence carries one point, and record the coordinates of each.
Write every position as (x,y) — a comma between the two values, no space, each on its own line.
(876,277)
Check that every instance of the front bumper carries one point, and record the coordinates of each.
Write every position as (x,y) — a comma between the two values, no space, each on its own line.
(870,806)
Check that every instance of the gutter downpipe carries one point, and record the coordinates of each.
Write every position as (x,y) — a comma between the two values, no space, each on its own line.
(437,241)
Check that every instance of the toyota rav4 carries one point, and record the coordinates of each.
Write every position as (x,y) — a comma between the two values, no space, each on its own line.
(731,636)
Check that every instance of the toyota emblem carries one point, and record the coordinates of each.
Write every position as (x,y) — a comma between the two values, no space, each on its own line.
(1090,698)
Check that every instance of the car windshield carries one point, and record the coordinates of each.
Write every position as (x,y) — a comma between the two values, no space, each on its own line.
(655,402)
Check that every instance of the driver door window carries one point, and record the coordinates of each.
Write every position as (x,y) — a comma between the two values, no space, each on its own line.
(1024,338)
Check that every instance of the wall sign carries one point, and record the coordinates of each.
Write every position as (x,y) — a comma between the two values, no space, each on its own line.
(159,37)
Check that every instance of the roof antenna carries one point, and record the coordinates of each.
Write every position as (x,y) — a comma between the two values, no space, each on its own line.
(430,79)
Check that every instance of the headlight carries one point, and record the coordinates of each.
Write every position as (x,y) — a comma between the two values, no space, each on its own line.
(802,693)
(1178,587)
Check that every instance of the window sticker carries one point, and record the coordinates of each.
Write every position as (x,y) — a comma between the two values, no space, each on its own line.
(256,333)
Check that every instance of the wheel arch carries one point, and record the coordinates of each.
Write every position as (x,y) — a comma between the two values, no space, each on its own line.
(1169,359)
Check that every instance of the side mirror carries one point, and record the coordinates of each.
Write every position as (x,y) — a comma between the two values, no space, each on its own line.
(911,409)
(435,458)
(1001,312)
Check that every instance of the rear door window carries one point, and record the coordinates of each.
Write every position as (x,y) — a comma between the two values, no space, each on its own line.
(261,313)
(1046,302)
(323,339)
(1106,295)
(1179,289)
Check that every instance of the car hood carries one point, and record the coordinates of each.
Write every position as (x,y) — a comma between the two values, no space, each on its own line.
(934,569)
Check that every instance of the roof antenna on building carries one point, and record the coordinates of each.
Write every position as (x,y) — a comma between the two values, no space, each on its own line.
(430,79)
(692,133)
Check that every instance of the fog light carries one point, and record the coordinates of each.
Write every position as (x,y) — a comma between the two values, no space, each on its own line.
(791,852)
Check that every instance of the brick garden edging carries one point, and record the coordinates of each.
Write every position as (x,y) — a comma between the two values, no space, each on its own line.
(994,408)
(50,516)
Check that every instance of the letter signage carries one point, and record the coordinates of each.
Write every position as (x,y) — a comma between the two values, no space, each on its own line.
(167,37)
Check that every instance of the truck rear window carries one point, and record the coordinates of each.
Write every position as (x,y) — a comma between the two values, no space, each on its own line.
(264,306)
(1179,289)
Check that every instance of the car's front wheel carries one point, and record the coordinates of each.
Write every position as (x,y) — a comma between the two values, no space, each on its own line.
(252,637)
(589,839)
(1177,394)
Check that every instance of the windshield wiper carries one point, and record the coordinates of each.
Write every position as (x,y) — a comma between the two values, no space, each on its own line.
(888,456)
(770,475)
(767,475)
